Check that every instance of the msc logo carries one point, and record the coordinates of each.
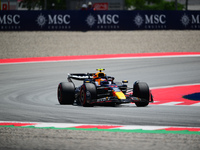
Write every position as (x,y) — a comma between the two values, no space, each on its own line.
(191,20)
(108,19)
(10,22)
(138,20)
(10,19)
(155,19)
(41,20)
(53,20)
(90,20)
(185,20)
(105,20)
(150,21)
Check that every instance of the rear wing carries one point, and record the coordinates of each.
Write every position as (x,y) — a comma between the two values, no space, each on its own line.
(79,76)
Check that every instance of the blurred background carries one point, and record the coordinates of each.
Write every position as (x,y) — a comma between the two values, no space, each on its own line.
(100,5)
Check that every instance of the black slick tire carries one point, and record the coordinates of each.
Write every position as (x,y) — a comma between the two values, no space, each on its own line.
(141,90)
(66,93)
(88,92)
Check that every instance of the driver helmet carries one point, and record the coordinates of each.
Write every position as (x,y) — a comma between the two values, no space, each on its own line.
(103,81)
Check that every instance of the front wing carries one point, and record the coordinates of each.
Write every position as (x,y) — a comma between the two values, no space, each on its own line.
(112,99)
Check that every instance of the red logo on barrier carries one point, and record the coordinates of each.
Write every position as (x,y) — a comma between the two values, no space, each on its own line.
(101,6)
(4,7)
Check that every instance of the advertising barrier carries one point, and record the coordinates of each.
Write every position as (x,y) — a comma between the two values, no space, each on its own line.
(98,20)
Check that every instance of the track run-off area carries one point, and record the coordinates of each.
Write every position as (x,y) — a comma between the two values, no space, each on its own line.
(28,98)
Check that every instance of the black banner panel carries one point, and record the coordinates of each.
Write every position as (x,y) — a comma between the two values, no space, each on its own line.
(98,20)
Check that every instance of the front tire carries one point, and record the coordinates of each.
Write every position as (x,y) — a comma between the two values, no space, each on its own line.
(141,90)
(66,93)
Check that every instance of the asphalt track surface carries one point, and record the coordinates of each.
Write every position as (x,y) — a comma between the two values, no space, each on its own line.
(29,91)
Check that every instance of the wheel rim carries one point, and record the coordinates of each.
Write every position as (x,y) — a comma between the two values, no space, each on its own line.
(82,97)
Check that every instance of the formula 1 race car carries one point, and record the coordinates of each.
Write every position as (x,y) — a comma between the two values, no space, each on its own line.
(98,88)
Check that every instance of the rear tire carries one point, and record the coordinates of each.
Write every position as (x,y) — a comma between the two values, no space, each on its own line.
(66,93)
(88,92)
(141,90)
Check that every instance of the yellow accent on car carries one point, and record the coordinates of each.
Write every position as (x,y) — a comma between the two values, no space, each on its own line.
(100,69)
(120,95)
(125,81)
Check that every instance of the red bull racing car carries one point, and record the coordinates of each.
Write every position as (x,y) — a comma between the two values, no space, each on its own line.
(98,88)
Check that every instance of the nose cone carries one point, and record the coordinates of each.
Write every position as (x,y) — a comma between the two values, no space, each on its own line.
(120,95)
